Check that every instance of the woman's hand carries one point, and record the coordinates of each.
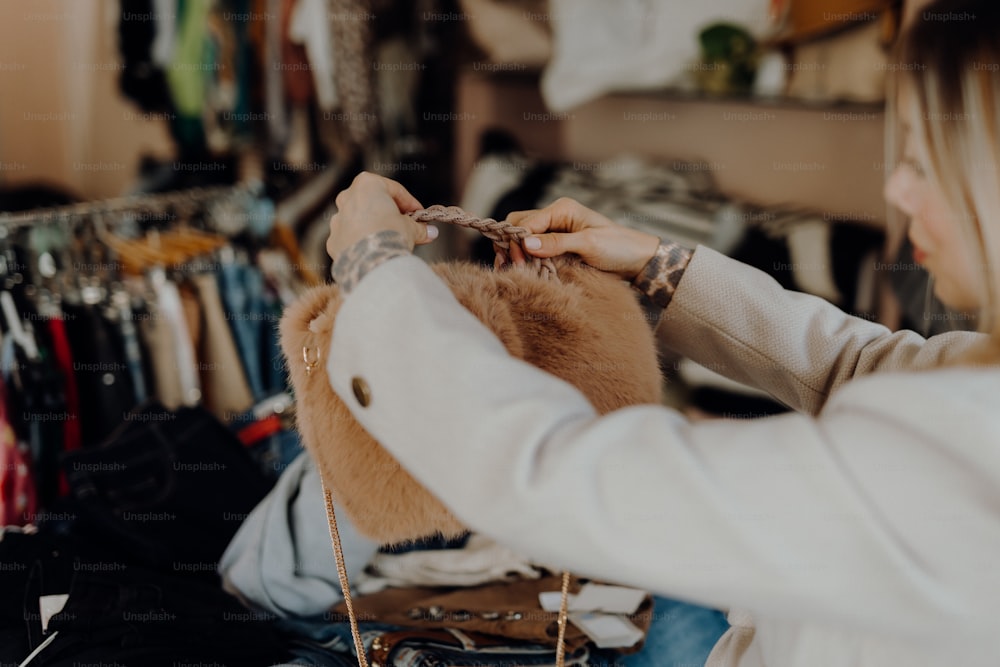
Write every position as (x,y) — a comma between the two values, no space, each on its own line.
(567,226)
(374,204)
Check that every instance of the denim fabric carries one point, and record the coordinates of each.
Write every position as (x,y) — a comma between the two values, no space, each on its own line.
(273,361)
(242,289)
(681,635)
(320,642)
(133,353)
(277,452)
(273,453)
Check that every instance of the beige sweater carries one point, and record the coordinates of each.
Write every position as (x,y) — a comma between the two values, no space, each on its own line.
(862,530)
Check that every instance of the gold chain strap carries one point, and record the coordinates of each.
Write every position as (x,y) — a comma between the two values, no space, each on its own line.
(563,619)
(338,553)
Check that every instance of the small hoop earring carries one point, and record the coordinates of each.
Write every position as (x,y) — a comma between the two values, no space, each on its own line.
(311,360)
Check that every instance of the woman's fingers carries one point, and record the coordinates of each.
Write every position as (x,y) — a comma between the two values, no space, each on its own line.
(516,217)
(552,245)
(517,256)
(366,181)
(375,204)
(563,215)
(425,233)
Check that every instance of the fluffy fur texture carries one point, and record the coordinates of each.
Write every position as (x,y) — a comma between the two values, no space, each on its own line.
(587,329)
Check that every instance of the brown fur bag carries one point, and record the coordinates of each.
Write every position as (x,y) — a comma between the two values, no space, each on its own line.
(586,328)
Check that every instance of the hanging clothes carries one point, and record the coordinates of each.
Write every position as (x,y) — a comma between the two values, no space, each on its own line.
(274,86)
(172,309)
(187,72)
(161,51)
(196,331)
(226,392)
(18,499)
(104,385)
(143,76)
(351,26)
(241,287)
(310,27)
(158,336)
(63,357)
(36,408)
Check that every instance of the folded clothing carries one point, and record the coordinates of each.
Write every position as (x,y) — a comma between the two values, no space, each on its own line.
(601,46)
(480,561)
(281,560)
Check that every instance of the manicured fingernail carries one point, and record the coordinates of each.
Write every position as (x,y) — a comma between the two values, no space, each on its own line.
(532,243)
(432,232)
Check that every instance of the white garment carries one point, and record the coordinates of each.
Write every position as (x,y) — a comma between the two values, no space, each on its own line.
(168,303)
(281,559)
(863,530)
(480,561)
(600,46)
(310,26)
(162,49)
(809,249)
(491,178)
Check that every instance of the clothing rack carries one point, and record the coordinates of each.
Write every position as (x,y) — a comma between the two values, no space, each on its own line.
(81,349)
(13,221)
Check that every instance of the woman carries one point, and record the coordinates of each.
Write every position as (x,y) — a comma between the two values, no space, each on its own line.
(862,530)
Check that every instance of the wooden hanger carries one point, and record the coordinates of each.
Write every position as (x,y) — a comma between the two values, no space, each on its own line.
(168,249)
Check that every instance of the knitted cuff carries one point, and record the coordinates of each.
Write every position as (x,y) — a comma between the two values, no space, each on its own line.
(355,262)
(658,280)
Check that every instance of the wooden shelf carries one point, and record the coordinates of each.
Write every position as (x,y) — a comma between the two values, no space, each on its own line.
(771,152)
(532,77)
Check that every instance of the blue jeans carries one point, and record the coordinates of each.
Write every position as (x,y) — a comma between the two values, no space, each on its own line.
(242,289)
(681,635)
(319,642)
(273,361)
(272,453)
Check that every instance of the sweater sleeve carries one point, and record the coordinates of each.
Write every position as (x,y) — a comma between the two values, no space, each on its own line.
(740,323)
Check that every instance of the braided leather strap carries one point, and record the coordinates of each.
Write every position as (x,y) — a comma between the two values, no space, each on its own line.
(500,232)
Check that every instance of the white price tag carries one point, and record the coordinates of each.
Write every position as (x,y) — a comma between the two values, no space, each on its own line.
(49,606)
(550,600)
(612,599)
(607,630)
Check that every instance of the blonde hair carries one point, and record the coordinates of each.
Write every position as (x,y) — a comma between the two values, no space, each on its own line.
(950,60)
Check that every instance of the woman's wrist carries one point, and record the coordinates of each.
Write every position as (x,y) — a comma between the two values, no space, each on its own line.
(355,262)
(659,278)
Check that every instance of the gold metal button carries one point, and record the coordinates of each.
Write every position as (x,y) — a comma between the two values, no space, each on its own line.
(361,391)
